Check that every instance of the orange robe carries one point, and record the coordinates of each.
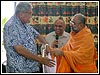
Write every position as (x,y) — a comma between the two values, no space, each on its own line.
(79,54)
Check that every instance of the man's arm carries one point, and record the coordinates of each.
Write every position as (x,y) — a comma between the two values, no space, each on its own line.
(22,51)
(43,41)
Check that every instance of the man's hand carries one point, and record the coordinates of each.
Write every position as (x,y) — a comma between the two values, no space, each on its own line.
(54,43)
(48,49)
(57,52)
(46,61)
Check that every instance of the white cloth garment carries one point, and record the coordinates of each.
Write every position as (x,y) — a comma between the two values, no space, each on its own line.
(47,69)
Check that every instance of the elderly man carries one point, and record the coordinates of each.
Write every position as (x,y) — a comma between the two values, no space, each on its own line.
(21,49)
(79,54)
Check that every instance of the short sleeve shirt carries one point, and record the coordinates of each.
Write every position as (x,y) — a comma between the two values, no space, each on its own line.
(16,33)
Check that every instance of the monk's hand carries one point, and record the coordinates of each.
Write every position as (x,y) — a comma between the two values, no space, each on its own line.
(57,52)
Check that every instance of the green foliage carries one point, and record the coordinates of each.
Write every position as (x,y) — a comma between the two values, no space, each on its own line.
(4,20)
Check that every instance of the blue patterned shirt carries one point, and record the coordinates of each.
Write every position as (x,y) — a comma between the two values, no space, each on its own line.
(15,33)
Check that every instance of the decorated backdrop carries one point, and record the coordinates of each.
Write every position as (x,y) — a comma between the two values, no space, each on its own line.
(45,14)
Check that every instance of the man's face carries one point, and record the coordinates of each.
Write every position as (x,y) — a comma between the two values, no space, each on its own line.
(59,27)
(26,16)
(75,24)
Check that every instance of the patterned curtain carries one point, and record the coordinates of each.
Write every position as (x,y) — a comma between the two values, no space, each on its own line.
(45,14)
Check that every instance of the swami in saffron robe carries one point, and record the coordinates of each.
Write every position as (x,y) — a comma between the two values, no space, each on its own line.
(79,54)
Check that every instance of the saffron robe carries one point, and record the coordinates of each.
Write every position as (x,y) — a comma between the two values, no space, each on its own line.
(79,54)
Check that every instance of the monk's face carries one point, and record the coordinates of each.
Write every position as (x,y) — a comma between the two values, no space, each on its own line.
(75,24)
(59,27)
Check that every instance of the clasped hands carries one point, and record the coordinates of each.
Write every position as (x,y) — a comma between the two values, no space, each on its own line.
(54,51)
